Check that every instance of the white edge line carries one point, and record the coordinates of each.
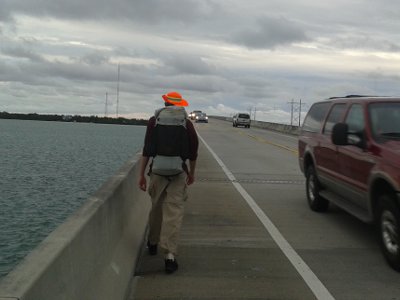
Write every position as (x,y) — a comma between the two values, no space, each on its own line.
(316,286)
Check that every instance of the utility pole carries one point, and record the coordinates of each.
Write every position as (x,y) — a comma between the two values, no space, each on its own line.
(291,112)
(295,119)
(118,91)
(300,113)
(301,104)
(105,110)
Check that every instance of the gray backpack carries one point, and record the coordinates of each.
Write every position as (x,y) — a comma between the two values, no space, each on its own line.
(170,141)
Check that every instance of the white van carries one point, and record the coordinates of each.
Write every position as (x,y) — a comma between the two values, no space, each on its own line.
(241,119)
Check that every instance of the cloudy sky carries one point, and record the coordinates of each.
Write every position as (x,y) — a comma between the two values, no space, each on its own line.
(222,56)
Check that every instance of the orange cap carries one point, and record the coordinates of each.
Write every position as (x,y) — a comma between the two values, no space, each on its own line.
(175,99)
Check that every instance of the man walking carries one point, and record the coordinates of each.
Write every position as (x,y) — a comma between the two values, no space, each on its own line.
(170,141)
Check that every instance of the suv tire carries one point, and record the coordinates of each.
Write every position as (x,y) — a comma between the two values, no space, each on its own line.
(389,230)
(315,200)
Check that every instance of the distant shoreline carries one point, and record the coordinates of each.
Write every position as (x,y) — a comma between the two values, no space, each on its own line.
(72,118)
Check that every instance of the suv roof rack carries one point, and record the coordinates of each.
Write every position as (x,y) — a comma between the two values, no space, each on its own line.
(352,96)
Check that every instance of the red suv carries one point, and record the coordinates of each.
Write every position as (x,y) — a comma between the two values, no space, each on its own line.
(349,152)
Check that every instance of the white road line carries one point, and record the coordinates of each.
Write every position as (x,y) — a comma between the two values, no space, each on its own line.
(316,286)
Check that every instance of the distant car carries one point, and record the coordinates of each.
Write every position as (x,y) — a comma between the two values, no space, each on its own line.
(194,113)
(201,117)
(349,152)
(241,119)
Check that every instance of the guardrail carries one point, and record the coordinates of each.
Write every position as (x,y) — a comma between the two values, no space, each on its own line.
(289,129)
(93,254)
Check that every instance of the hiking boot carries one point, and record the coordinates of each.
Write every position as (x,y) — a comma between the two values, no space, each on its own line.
(171,265)
(152,248)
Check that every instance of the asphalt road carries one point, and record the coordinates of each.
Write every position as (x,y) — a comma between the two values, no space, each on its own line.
(286,250)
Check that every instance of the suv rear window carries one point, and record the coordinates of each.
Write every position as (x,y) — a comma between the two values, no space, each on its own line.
(335,116)
(385,120)
(314,118)
(244,116)
(355,118)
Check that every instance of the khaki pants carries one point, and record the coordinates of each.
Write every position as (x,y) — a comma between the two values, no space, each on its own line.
(167,195)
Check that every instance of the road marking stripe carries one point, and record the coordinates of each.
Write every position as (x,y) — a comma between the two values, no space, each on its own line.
(316,286)
(262,140)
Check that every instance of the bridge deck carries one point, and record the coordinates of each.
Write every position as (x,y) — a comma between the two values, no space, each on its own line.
(225,252)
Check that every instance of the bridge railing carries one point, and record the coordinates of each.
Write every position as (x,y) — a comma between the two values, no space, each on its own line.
(289,129)
(94,253)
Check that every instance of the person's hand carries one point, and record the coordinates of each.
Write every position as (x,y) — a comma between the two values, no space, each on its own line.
(189,179)
(142,183)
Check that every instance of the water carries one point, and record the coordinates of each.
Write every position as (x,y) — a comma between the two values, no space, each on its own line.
(47,171)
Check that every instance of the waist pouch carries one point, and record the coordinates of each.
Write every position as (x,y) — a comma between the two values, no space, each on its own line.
(167,165)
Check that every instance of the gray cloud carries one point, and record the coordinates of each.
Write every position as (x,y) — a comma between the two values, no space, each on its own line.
(25,48)
(367,42)
(21,52)
(148,11)
(269,33)
(188,64)
(95,58)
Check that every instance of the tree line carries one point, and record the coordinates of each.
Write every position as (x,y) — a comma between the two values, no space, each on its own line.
(72,118)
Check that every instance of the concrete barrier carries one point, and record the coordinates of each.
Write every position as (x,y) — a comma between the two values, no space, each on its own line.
(94,253)
(289,129)
(285,128)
